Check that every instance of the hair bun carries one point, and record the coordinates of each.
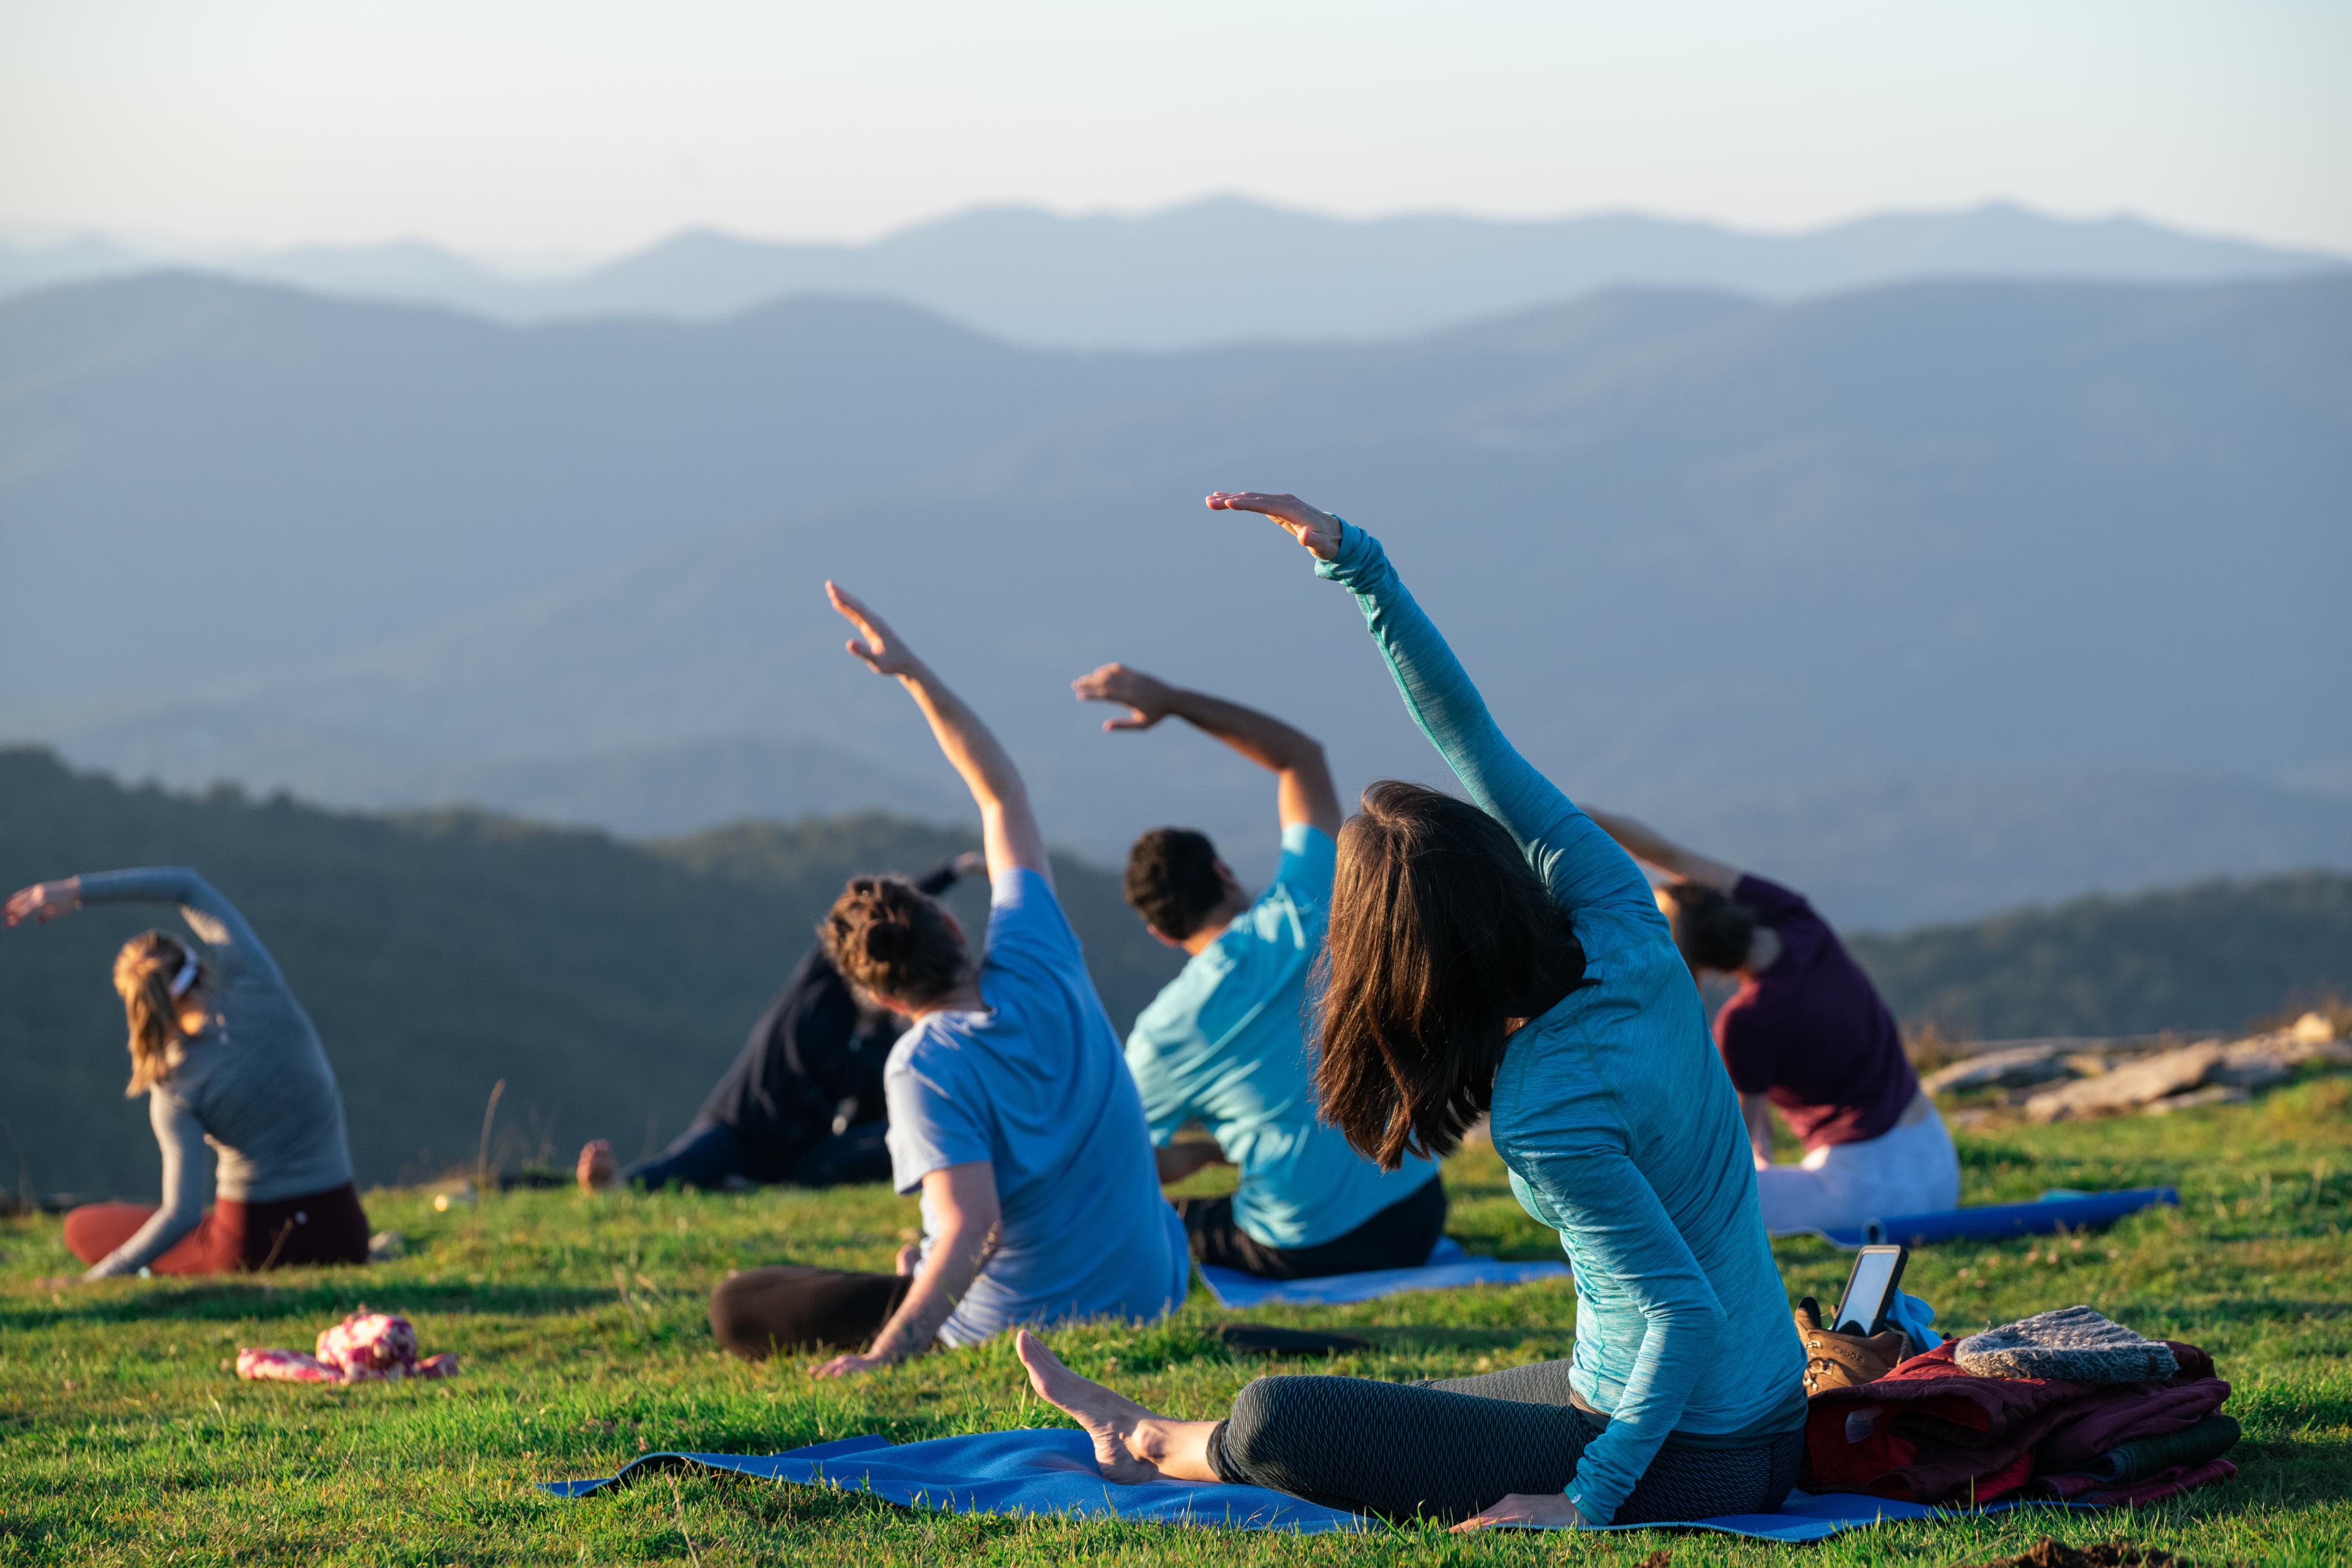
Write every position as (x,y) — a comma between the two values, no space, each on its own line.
(894,941)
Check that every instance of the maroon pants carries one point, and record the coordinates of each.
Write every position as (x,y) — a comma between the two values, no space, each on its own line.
(233,1236)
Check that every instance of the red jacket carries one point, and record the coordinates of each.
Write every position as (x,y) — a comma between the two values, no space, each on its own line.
(1928,1432)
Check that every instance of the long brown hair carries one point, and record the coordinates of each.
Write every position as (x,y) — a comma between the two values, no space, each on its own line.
(143,972)
(892,940)
(1441,933)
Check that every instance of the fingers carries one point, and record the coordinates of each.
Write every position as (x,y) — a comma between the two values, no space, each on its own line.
(853,610)
(847,602)
(1132,719)
(1315,530)
(1281,508)
(1488,1518)
(1099,684)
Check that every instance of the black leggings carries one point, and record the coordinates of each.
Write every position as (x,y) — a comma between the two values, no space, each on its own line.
(793,1306)
(1399,1237)
(1447,1449)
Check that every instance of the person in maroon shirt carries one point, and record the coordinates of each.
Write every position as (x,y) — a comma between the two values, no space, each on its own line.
(1808,1034)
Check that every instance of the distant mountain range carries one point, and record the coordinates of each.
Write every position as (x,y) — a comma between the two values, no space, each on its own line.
(1931,598)
(1231,271)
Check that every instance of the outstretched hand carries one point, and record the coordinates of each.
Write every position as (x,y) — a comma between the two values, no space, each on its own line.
(880,647)
(852,1365)
(1540,1510)
(1148,699)
(1316,531)
(42,902)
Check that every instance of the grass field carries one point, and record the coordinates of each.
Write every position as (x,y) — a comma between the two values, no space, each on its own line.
(124,1439)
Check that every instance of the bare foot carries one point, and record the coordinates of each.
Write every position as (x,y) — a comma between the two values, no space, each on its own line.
(596,1165)
(1110,1420)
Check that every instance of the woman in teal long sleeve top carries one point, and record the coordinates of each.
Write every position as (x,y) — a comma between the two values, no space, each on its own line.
(1685,1395)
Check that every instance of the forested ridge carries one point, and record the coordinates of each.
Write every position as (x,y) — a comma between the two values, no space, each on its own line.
(2215,955)
(608,982)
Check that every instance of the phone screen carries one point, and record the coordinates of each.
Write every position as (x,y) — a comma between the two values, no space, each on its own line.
(1866,1291)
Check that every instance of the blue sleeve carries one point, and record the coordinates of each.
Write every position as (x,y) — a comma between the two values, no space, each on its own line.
(181,1137)
(213,918)
(1166,1107)
(1025,922)
(932,1124)
(1309,863)
(1620,1232)
(1582,865)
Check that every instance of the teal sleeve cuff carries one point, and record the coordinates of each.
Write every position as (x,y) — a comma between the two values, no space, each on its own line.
(1358,552)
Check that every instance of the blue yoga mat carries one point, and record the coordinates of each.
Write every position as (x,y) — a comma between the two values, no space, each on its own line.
(1049,1471)
(1448,1269)
(1992,1221)
(1052,1472)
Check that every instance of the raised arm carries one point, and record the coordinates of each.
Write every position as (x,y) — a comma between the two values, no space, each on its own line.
(1008,831)
(209,914)
(1574,857)
(1651,847)
(1303,787)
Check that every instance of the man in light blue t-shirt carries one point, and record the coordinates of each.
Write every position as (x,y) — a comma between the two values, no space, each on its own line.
(1225,1043)
(1012,1110)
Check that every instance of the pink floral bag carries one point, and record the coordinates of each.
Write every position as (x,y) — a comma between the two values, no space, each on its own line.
(367,1347)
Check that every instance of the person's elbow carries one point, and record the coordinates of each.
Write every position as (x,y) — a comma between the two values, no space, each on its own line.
(1693,1322)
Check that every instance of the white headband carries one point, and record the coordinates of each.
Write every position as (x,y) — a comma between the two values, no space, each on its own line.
(184,982)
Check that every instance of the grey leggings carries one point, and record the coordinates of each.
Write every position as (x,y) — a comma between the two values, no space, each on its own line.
(1446,1449)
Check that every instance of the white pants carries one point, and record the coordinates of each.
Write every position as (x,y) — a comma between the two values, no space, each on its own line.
(1911,1170)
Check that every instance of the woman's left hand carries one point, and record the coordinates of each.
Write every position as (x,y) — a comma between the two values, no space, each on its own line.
(1537,1511)
(43,901)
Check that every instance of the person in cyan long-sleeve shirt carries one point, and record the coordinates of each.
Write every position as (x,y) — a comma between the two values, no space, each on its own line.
(1508,957)
(226,1056)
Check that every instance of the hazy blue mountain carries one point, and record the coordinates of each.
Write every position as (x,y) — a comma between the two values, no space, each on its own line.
(1230,270)
(40,263)
(1877,856)
(1886,854)
(636,791)
(1704,553)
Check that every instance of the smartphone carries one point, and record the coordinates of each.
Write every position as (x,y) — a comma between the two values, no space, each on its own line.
(1870,1290)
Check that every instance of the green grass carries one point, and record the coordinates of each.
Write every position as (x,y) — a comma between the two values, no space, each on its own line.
(123,1438)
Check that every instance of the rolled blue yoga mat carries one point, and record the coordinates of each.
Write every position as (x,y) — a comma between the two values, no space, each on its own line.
(2053,1211)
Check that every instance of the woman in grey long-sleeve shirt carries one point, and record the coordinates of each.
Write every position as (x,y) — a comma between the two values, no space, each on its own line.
(227,1056)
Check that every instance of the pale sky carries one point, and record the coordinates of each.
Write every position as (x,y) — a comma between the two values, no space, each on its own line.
(585,127)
